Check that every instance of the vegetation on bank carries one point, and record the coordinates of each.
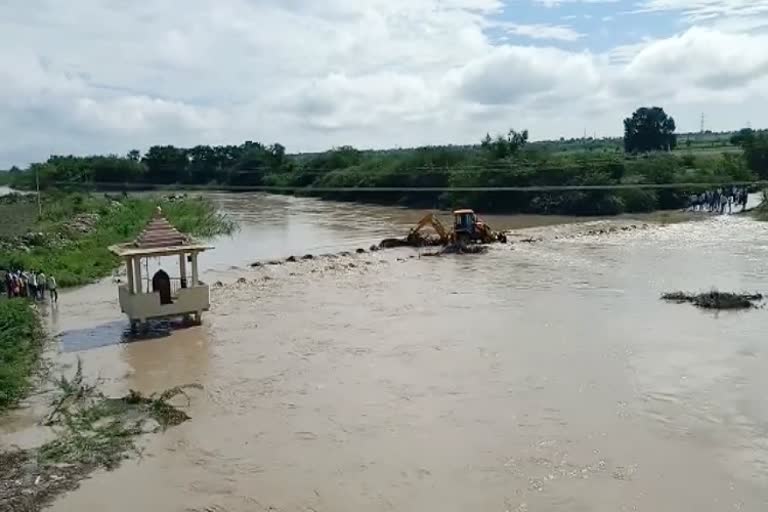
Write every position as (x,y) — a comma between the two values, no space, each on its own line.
(21,338)
(761,211)
(71,239)
(649,153)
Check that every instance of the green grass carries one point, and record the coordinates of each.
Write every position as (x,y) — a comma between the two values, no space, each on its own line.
(17,218)
(85,258)
(21,337)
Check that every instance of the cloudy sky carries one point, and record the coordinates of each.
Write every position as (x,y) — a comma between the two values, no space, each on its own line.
(89,76)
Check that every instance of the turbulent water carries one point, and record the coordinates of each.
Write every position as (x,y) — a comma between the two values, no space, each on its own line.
(540,376)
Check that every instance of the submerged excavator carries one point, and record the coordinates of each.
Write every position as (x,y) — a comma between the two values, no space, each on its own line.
(467,228)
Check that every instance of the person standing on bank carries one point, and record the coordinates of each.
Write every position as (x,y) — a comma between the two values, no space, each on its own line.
(52,289)
(42,283)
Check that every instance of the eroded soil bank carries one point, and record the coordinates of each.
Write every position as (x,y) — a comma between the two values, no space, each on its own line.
(538,376)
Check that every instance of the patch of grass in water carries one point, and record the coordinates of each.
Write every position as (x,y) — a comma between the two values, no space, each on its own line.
(715,299)
(99,430)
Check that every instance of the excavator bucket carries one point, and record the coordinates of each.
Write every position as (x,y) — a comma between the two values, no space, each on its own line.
(417,238)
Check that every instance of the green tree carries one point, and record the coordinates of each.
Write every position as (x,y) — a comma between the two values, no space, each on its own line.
(104,169)
(756,154)
(203,164)
(649,129)
(505,146)
(166,164)
(743,137)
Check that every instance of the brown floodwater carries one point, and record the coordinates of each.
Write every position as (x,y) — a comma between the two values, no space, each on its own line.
(537,377)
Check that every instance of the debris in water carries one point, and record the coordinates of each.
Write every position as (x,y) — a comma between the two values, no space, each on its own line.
(392,243)
(360,250)
(716,300)
(308,257)
(291,259)
(92,431)
(459,249)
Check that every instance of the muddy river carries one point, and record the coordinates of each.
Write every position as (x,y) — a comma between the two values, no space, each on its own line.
(538,377)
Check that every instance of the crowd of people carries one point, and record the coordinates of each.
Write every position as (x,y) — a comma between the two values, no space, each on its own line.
(32,285)
(720,200)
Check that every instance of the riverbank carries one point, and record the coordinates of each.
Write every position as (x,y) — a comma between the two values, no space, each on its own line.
(70,240)
(88,429)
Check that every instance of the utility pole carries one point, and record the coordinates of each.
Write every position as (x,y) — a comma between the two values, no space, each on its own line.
(702,122)
(37,186)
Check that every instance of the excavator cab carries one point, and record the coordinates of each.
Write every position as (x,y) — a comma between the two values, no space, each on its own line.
(465,224)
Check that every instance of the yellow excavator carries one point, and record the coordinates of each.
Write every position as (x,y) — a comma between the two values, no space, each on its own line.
(467,228)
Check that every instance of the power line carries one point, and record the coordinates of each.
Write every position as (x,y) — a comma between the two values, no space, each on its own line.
(533,188)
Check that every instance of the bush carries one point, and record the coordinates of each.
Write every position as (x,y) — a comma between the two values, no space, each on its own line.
(639,200)
(21,338)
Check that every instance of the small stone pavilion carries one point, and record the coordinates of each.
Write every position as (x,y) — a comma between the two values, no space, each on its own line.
(161,296)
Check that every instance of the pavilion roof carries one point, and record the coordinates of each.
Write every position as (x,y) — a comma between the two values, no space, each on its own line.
(158,236)
(160,233)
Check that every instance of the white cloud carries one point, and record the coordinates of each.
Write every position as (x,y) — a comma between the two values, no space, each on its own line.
(704,58)
(513,75)
(93,76)
(129,115)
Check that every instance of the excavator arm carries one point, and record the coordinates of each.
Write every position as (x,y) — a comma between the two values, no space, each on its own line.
(434,222)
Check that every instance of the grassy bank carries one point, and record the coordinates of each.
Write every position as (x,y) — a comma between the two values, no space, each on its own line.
(70,241)
(21,338)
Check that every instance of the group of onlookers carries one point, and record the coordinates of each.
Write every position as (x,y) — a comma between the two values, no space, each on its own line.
(717,201)
(32,285)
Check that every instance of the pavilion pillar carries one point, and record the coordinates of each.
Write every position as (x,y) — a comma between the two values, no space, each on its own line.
(129,272)
(194,269)
(137,277)
(183,269)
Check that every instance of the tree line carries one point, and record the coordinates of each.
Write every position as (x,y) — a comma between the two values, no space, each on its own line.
(504,160)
